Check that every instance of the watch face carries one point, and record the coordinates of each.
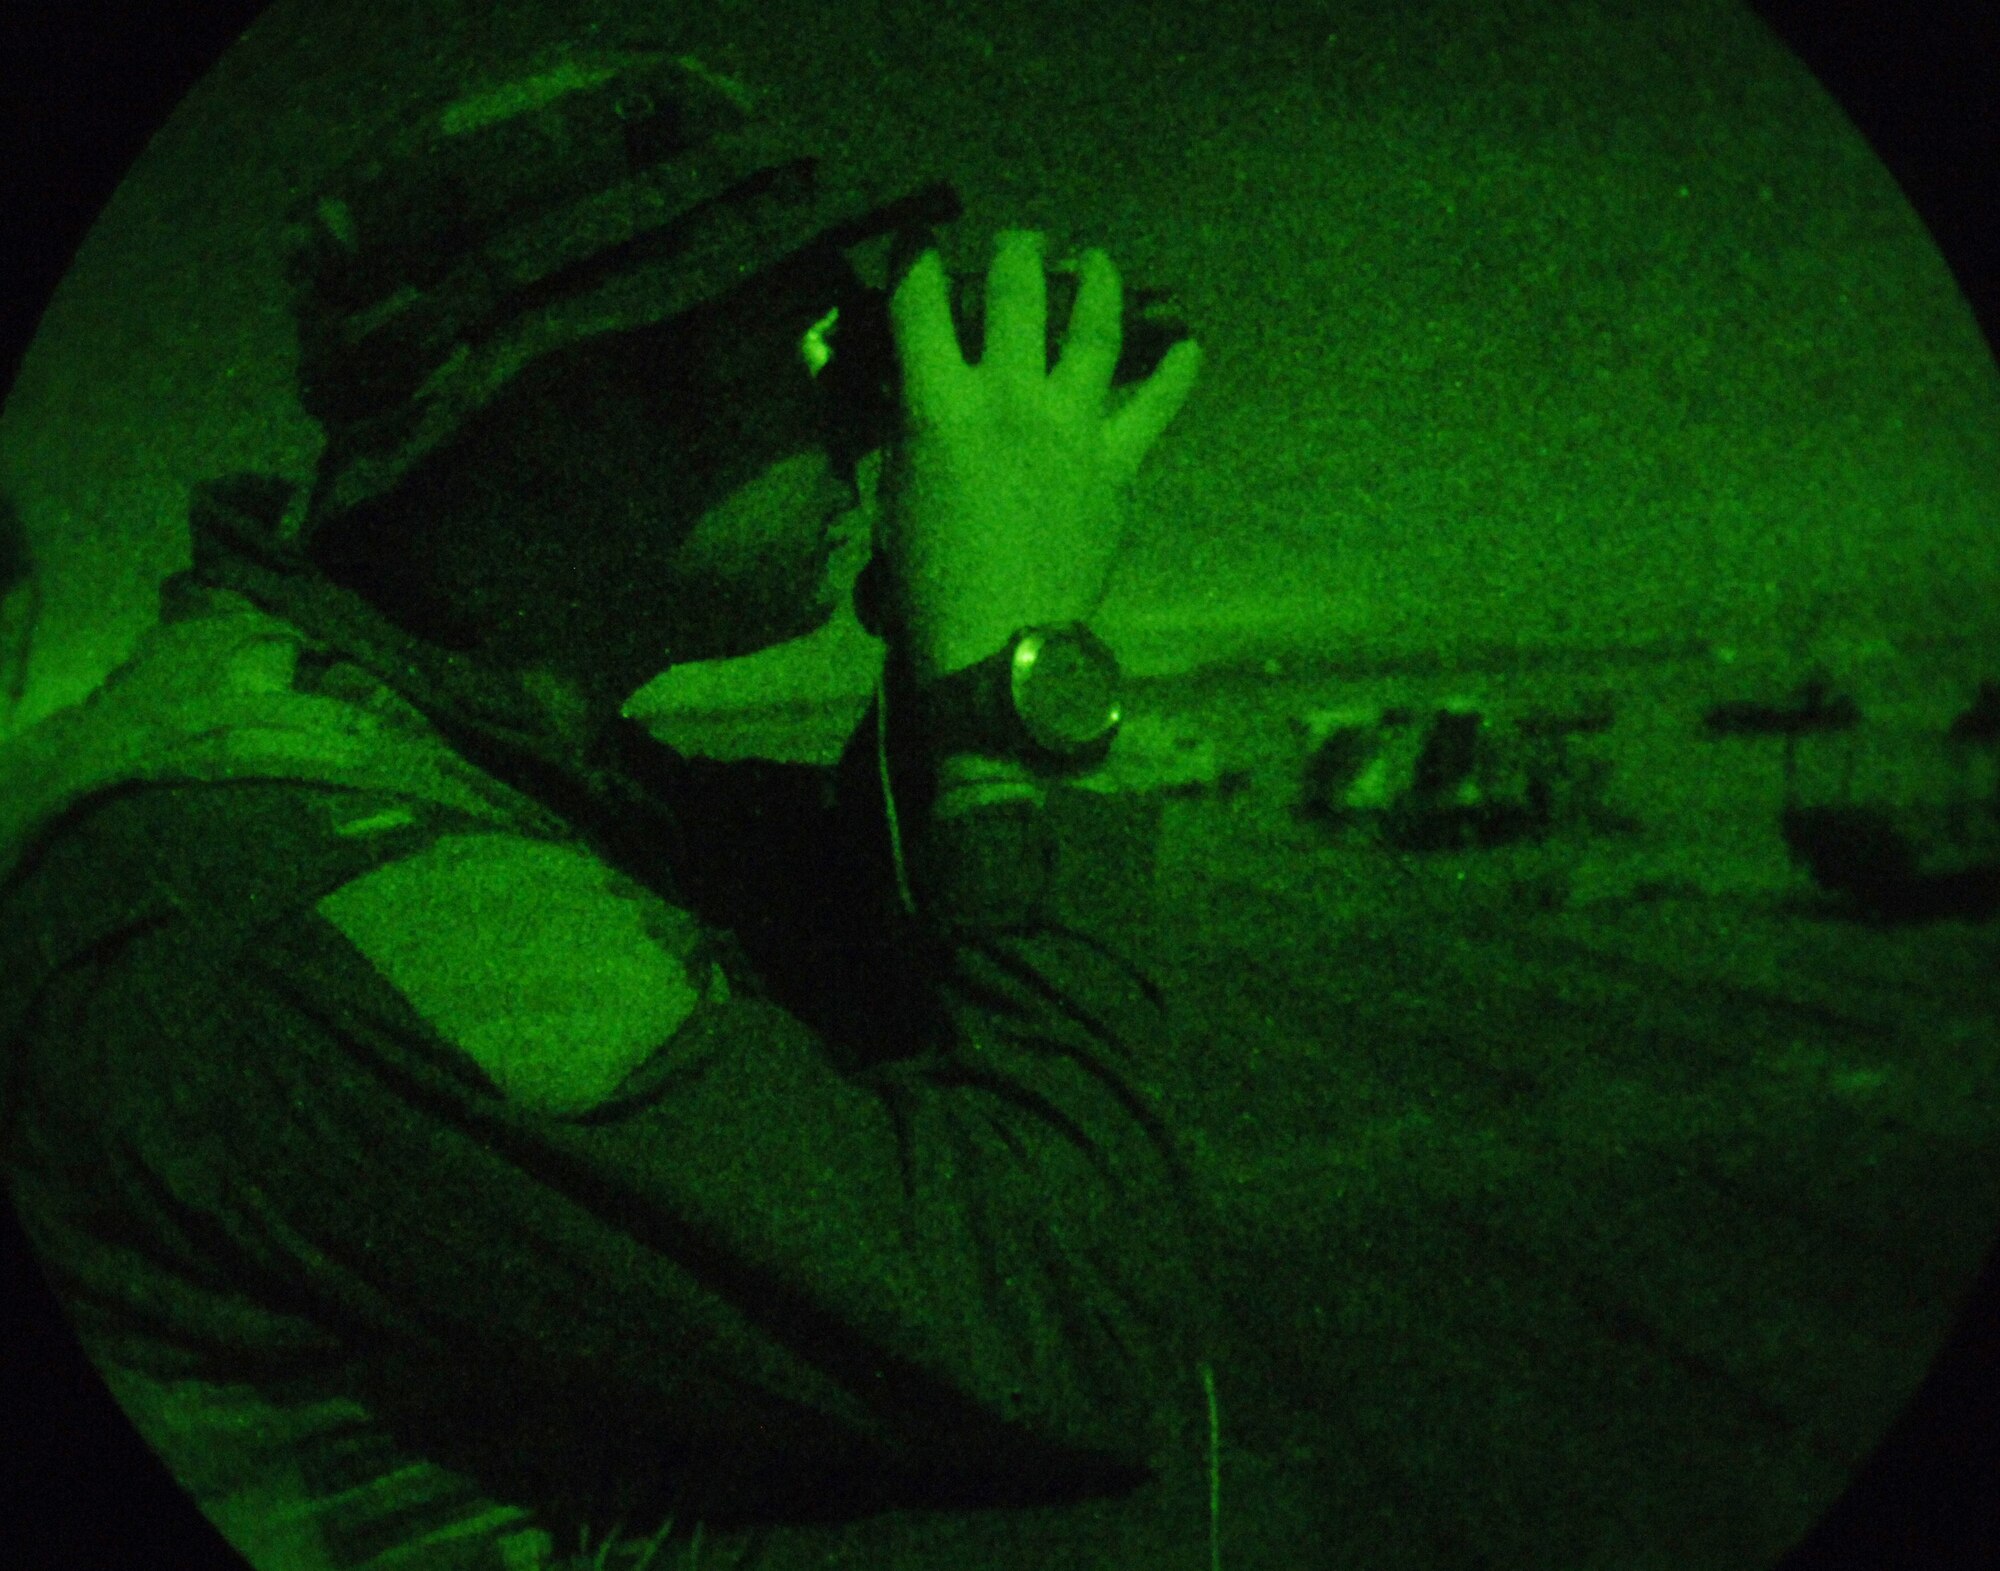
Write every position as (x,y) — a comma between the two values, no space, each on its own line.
(1068,696)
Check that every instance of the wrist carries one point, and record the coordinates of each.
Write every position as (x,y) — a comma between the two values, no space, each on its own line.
(969,780)
(960,769)
(929,662)
(935,655)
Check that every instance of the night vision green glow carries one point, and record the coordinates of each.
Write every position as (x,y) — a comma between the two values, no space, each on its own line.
(1544,888)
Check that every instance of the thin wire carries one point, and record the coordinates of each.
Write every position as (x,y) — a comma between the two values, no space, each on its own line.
(888,796)
(1214,1471)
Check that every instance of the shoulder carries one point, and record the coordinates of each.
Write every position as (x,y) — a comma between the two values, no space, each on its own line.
(554,972)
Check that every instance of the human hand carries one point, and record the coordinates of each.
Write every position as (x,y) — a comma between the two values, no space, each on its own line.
(1003,497)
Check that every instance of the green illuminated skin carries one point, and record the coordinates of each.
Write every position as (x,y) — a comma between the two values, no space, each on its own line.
(770,561)
(765,554)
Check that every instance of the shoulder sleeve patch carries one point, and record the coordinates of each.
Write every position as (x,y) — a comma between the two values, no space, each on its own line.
(557,975)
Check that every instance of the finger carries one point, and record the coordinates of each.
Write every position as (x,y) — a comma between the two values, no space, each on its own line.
(1017,306)
(1096,332)
(1131,433)
(926,341)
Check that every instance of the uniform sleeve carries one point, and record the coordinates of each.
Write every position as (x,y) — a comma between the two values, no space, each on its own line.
(556,976)
(963,1272)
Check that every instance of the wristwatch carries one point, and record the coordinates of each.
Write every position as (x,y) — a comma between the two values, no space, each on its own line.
(1050,698)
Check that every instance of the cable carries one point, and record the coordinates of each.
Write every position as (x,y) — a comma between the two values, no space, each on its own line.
(889,796)
(1214,1471)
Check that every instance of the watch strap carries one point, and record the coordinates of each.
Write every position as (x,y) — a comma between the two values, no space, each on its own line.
(972,710)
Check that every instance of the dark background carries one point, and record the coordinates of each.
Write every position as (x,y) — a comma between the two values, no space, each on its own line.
(84,84)
(87,83)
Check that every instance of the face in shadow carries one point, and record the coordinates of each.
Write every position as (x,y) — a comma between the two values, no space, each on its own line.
(759,568)
(768,564)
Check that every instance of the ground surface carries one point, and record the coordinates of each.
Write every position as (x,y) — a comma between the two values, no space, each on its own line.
(1605,1238)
